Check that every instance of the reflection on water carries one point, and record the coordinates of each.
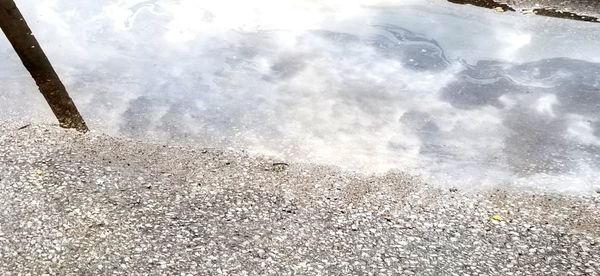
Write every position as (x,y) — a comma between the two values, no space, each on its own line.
(395,94)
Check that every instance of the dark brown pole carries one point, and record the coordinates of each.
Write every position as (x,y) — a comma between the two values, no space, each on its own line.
(20,36)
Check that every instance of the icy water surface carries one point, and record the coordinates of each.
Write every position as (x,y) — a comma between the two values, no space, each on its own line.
(459,95)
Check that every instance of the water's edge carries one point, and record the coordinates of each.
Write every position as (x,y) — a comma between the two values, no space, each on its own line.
(562,9)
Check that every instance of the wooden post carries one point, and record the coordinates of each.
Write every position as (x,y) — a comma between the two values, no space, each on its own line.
(20,36)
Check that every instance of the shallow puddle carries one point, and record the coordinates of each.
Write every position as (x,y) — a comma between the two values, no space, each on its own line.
(460,95)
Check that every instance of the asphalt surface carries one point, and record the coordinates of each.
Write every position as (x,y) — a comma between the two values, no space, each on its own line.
(73,204)
(583,10)
(584,7)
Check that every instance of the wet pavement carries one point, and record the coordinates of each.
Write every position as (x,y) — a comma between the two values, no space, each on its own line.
(582,10)
(415,139)
(454,93)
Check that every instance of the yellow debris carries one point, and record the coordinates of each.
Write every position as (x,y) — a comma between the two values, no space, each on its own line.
(39,172)
(497,217)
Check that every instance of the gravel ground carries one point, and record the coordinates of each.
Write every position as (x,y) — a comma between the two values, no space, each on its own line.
(582,7)
(584,10)
(73,204)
